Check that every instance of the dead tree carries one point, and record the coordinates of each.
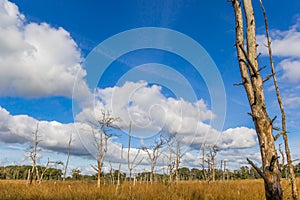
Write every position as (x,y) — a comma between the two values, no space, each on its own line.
(68,158)
(253,84)
(153,154)
(203,162)
(175,145)
(212,153)
(104,126)
(33,155)
(47,167)
(132,163)
(119,172)
(111,173)
(283,118)
(170,165)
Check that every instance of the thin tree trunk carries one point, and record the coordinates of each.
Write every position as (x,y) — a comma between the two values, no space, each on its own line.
(68,158)
(253,85)
(283,117)
(203,163)
(213,168)
(99,173)
(119,172)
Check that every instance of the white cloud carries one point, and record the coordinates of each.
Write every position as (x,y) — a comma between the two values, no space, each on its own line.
(36,59)
(239,137)
(151,112)
(52,135)
(285,45)
(292,101)
(189,120)
(291,69)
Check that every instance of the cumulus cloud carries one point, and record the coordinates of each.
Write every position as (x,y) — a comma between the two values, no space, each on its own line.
(239,137)
(189,120)
(52,135)
(36,59)
(291,68)
(150,113)
(285,45)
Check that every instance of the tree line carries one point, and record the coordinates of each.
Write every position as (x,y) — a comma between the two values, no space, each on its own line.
(15,172)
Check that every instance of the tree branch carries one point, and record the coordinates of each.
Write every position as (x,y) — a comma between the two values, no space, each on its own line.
(272,163)
(268,77)
(258,170)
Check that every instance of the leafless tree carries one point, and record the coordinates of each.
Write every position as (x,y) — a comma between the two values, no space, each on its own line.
(132,163)
(283,117)
(253,84)
(176,147)
(68,158)
(33,155)
(211,156)
(154,153)
(203,162)
(119,172)
(101,134)
(170,165)
(111,173)
(47,167)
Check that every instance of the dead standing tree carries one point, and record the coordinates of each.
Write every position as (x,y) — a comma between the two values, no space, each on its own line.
(68,158)
(33,154)
(104,126)
(283,118)
(212,153)
(175,144)
(253,84)
(132,164)
(153,154)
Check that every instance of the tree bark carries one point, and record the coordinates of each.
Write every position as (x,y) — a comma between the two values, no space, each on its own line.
(253,85)
(283,118)
(99,165)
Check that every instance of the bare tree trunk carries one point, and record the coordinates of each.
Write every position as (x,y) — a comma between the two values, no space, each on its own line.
(283,118)
(43,172)
(99,165)
(29,177)
(119,172)
(203,164)
(225,172)
(171,166)
(177,162)
(68,158)
(253,85)
(213,169)
(221,170)
(33,155)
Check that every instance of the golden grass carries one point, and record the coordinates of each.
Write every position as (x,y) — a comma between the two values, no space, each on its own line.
(238,189)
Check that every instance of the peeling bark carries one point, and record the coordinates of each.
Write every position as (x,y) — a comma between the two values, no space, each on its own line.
(253,85)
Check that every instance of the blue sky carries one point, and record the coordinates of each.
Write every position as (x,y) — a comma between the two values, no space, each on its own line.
(45,44)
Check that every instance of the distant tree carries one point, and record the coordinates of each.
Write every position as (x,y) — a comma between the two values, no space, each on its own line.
(68,158)
(76,174)
(33,155)
(184,173)
(153,153)
(102,132)
(211,158)
(175,144)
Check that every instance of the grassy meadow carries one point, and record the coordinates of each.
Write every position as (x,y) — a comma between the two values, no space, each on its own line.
(236,189)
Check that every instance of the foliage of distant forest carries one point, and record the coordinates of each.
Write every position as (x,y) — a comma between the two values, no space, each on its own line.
(185,174)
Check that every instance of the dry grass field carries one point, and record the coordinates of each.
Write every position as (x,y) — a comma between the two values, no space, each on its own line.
(239,189)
